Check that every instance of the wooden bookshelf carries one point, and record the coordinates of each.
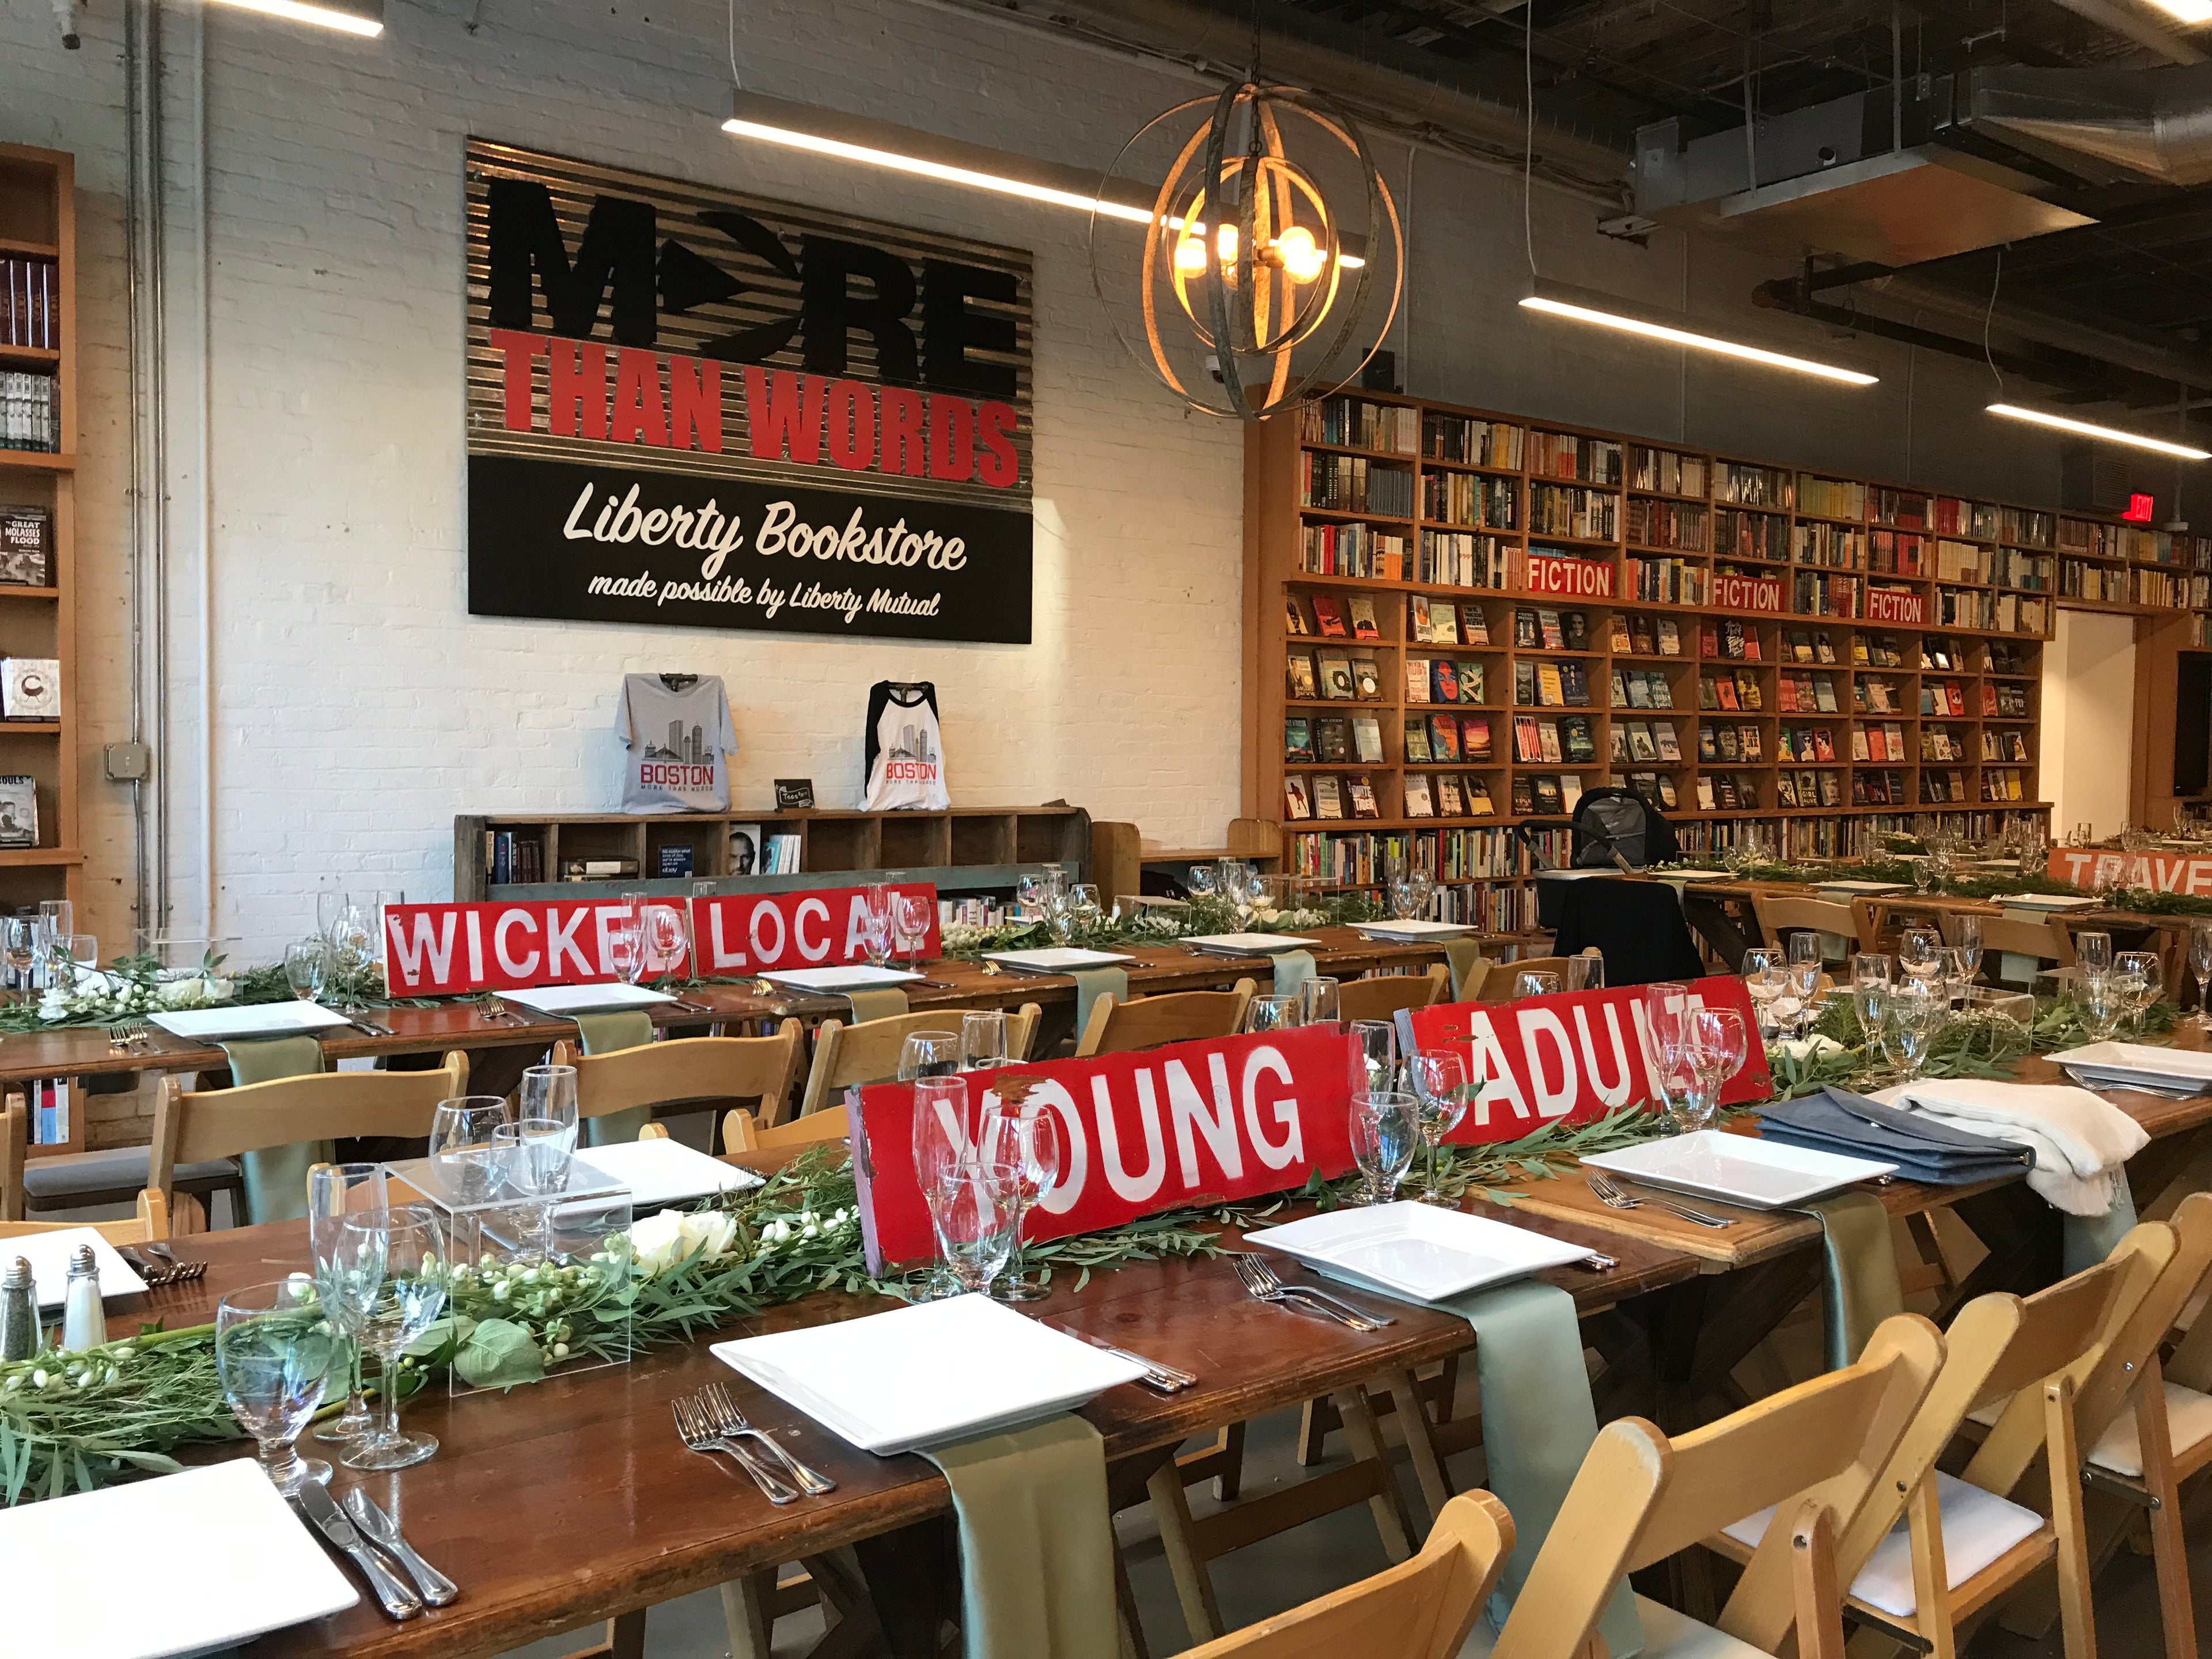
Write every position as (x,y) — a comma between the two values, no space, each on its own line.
(38,221)
(1920,618)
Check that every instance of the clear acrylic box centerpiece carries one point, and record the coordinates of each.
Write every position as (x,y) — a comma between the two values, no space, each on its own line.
(557,1266)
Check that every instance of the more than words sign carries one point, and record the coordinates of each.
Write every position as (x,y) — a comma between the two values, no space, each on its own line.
(1573,1058)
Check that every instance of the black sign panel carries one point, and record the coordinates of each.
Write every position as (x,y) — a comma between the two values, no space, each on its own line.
(619,543)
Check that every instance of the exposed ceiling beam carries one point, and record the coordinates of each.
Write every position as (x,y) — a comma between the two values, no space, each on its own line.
(2131,23)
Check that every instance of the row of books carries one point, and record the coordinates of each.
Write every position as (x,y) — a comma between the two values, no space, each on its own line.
(1727,792)
(30,302)
(1800,692)
(1943,743)
(1471,498)
(1333,677)
(1641,688)
(1895,552)
(2077,581)
(2002,783)
(1668,581)
(1357,424)
(511,856)
(2182,593)
(1834,498)
(1540,627)
(46,1101)
(1679,525)
(1937,788)
(1333,618)
(1802,745)
(1954,517)
(1462,739)
(1323,795)
(1353,483)
(1352,550)
(1736,744)
(1472,442)
(1454,558)
(1999,745)
(1751,535)
(1563,455)
(1445,621)
(2009,567)
(1734,692)
(1640,740)
(1666,469)
(1537,741)
(1550,684)
(1804,789)
(1641,636)
(1442,679)
(1959,561)
(1815,595)
(1332,741)
(30,411)
(1747,485)
(2009,613)
(2108,541)
(1545,794)
(1838,546)
(1449,795)
(1569,510)
(1907,509)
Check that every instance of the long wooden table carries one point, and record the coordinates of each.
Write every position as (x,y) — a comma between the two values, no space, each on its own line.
(573,1500)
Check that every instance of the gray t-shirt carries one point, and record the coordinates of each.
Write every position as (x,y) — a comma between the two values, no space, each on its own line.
(677,736)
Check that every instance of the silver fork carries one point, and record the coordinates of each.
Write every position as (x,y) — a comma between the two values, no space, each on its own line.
(722,1415)
(1614,1198)
(699,1435)
(1262,1285)
(123,1038)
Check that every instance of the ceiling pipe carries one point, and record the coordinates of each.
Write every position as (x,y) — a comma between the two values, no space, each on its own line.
(2122,18)
(2078,378)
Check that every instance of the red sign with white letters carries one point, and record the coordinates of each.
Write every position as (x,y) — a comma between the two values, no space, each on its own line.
(2092,867)
(1191,1123)
(767,933)
(1896,604)
(1761,594)
(1573,578)
(1574,1057)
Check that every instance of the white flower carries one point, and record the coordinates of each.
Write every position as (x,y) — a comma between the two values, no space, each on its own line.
(499,1290)
(709,1233)
(300,1286)
(1808,1048)
(657,1242)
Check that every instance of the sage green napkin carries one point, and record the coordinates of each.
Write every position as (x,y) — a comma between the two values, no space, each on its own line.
(276,1176)
(1092,983)
(2088,1239)
(1292,969)
(886,1004)
(1859,1286)
(1464,958)
(603,1033)
(1538,1423)
(1037,1542)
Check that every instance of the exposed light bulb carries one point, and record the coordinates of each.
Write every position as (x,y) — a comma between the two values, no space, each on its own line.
(1190,255)
(1224,245)
(1301,255)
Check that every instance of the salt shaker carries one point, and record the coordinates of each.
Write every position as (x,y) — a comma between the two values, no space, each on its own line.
(84,1322)
(19,1312)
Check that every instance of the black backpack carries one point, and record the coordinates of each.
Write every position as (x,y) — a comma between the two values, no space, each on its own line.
(1609,821)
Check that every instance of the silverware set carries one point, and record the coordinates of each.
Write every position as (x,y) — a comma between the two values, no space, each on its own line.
(496,1010)
(1158,1374)
(366,1535)
(709,1421)
(129,1040)
(1614,1199)
(165,1268)
(366,1027)
(1262,1285)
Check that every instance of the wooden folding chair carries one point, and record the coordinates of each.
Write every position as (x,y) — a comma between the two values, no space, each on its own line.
(1928,1557)
(1498,984)
(190,1126)
(1379,996)
(1118,1027)
(1780,917)
(869,1052)
(1810,1451)
(1419,1609)
(151,1225)
(741,1132)
(682,1071)
(2041,939)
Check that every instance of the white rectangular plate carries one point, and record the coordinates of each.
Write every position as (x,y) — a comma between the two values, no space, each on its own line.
(929,1374)
(49,1255)
(1413,931)
(1693,875)
(1417,1250)
(586,999)
(658,1172)
(2139,1059)
(1760,1174)
(263,1019)
(1868,887)
(232,1562)
(862,978)
(1065,959)
(2045,902)
(1249,944)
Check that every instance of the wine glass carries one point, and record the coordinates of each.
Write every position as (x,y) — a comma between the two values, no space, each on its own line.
(1966,937)
(910,918)
(665,940)
(1405,900)
(1917,946)
(1870,1002)
(1765,975)
(1440,1083)
(1085,908)
(1665,1008)
(929,1054)
(1025,1138)
(334,1192)
(1375,1063)
(353,953)
(982,1039)
(2093,950)
(272,1350)
(304,964)
(1586,972)
(534,1155)
(942,1142)
(391,1268)
(1913,1015)
(625,952)
(329,906)
(21,937)
(1319,1000)
(1871,967)
(1535,982)
(2200,968)
(1804,951)
(549,1092)
(1386,1130)
(1715,1043)
(1273,1013)
(974,1210)
(2143,975)
(462,1152)
(2103,1001)
(1202,881)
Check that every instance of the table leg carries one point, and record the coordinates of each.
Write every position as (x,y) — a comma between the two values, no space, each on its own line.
(2024,1243)
(914,1584)
(1389,1504)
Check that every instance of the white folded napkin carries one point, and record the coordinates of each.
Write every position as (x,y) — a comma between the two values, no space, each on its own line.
(2081,1143)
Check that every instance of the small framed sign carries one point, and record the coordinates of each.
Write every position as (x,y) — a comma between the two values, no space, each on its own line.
(792,795)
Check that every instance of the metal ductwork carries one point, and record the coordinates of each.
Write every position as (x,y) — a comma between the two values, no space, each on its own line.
(2141,123)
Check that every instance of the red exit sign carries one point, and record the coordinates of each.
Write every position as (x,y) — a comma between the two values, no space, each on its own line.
(2140,509)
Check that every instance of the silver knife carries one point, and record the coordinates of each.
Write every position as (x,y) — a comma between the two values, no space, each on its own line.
(400,1601)
(437,1589)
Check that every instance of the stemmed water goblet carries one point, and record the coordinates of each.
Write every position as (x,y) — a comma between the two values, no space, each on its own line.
(1535,982)
(534,1155)
(1914,1014)
(1714,1044)
(1275,1013)
(273,1349)
(983,1039)
(353,953)
(336,1191)
(1765,975)
(2200,968)
(1804,951)
(664,940)
(1021,1134)
(1320,1000)
(930,1055)
(2093,952)
(1374,1057)
(305,963)
(944,1141)
(463,1154)
(1667,1007)
(389,1268)
(910,919)
(973,1210)
(1441,1084)
(1967,940)
(1916,948)
(1203,883)
(2141,974)
(549,1092)
(1385,1131)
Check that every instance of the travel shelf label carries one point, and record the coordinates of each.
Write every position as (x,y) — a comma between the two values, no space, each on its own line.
(2090,868)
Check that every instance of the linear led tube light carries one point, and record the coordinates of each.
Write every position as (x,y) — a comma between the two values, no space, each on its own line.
(951,160)
(1605,312)
(2110,434)
(2186,11)
(353,17)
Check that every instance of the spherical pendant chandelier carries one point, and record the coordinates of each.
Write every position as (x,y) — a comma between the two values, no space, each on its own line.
(1259,284)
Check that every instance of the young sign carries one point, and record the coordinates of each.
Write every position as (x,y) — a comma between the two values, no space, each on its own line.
(451,950)
(766,933)
(1574,1057)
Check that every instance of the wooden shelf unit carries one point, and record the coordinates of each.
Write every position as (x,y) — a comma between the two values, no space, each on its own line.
(1662,533)
(38,220)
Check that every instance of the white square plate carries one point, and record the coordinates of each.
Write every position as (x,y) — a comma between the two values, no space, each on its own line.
(2138,1060)
(1760,1174)
(2045,902)
(929,1374)
(1065,959)
(1417,1250)
(862,978)
(263,1019)
(49,1255)
(658,1172)
(231,1560)
(1414,932)
(1866,887)
(1693,875)
(1249,944)
(586,999)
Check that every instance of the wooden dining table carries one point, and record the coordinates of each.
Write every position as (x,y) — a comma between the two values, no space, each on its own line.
(573,1500)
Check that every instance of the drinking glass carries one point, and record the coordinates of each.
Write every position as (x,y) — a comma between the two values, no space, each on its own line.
(1714,1043)
(1083,906)
(1913,1016)
(1025,1139)
(533,1155)
(1870,1002)
(1405,898)
(911,914)
(334,1192)
(21,937)
(1386,1131)
(2144,975)
(876,926)
(353,953)
(2199,967)
(391,1268)
(1319,1002)
(2093,950)
(665,940)
(625,953)
(1273,1013)
(1376,1063)
(1917,946)
(1956,976)
(467,1165)
(1966,937)
(273,1349)
(1804,951)
(1201,883)
(1766,976)
(1535,982)
(2103,1001)
(330,905)
(929,1054)
(1585,972)
(1871,966)
(303,968)
(81,951)
(1440,1083)
(974,1210)
(943,1141)
(549,1092)
(982,1039)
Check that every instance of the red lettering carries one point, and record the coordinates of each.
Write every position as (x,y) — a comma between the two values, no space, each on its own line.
(951,439)
(518,351)
(695,403)
(852,426)
(997,464)
(902,439)
(640,409)
(783,413)
(576,389)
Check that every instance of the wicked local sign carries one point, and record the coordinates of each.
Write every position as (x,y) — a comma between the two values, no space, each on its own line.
(692,407)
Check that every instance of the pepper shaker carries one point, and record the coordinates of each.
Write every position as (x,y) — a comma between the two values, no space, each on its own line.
(19,1312)
(84,1322)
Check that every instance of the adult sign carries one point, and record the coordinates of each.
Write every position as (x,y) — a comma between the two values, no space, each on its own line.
(451,950)
(1192,1123)
(766,933)
(1572,1058)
